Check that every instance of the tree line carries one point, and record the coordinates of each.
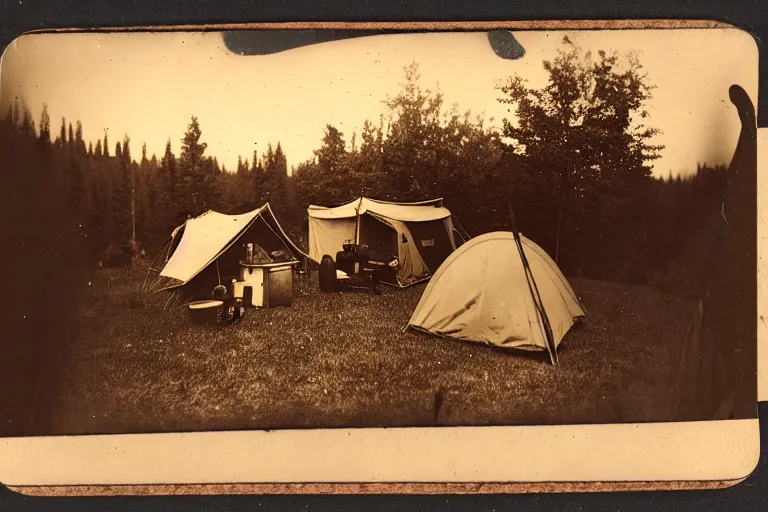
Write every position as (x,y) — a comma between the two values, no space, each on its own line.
(575,164)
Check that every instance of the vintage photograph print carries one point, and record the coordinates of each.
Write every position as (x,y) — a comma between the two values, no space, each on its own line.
(270,229)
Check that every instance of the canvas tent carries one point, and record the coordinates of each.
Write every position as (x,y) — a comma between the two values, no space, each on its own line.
(420,235)
(207,249)
(495,291)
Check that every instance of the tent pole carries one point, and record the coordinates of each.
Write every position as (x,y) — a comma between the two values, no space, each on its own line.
(463,232)
(151,266)
(357,221)
(171,295)
(284,234)
(534,289)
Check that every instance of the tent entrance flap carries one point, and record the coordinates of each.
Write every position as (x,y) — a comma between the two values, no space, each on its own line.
(377,235)
(433,242)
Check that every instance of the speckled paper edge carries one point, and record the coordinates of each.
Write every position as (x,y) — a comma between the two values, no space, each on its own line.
(419,26)
(363,488)
(390,488)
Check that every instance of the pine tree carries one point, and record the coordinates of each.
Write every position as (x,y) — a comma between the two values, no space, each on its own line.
(196,177)
(14,113)
(27,127)
(274,179)
(77,177)
(45,125)
(62,140)
(121,213)
(79,142)
(145,199)
(170,187)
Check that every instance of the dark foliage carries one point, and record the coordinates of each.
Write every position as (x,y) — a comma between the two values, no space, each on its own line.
(575,165)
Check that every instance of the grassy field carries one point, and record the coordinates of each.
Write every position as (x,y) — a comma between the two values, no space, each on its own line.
(343,360)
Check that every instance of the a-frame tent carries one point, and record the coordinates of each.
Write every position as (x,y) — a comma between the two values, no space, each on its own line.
(499,289)
(207,250)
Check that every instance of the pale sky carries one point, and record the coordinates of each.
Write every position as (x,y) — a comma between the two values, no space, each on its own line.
(149,85)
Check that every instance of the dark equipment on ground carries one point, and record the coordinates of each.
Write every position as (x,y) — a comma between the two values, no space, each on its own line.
(356,266)
(223,308)
(327,275)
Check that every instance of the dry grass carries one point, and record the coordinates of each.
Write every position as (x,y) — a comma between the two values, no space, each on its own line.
(343,360)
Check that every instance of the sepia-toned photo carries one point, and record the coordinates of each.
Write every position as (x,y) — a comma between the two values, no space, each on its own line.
(261,230)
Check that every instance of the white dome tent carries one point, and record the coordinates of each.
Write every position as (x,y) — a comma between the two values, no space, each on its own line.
(499,289)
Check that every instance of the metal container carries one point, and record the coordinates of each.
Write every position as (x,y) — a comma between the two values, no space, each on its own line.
(279,289)
(206,311)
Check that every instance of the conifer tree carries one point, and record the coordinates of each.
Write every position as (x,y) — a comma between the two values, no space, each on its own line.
(255,162)
(14,114)
(170,187)
(121,212)
(196,177)
(63,133)
(45,125)
(27,124)
(79,142)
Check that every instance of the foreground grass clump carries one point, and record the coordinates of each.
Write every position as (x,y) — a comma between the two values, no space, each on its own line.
(343,360)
